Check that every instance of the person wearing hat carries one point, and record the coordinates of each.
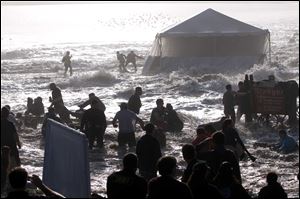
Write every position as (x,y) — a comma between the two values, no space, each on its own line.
(127,120)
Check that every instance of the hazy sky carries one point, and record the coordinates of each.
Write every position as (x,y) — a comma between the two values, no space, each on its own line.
(89,20)
(97,2)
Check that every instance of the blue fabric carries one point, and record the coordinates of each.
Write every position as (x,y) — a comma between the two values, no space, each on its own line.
(288,144)
(66,167)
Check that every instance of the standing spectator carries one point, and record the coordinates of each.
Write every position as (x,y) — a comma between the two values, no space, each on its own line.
(189,155)
(134,102)
(148,152)
(227,183)
(229,102)
(201,135)
(199,185)
(220,154)
(5,151)
(273,189)
(165,186)
(125,183)
(10,138)
(18,180)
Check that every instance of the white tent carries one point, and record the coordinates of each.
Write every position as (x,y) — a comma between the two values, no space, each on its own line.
(209,41)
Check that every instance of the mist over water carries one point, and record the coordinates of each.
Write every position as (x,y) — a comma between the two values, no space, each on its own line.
(34,39)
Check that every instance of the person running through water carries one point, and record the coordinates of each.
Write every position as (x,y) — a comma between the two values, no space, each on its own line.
(121,58)
(131,58)
(67,63)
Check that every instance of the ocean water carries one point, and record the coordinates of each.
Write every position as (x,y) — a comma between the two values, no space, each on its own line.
(34,39)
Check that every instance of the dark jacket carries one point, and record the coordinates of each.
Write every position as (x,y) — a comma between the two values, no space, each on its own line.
(148,152)
(272,191)
(174,122)
(124,184)
(166,187)
(134,103)
(93,118)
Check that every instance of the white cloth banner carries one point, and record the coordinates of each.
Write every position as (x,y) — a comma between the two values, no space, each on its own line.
(66,167)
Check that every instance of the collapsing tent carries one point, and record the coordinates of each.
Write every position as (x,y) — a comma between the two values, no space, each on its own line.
(209,41)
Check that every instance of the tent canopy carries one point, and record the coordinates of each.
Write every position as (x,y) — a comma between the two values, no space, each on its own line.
(209,41)
(211,22)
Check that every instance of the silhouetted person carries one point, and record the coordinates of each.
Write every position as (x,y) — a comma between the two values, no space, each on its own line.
(134,102)
(49,115)
(92,97)
(174,122)
(58,104)
(227,183)
(220,154)
(158,118)
(131,58)
(121,58)
(29,106)
(127,120)
(18,180)
(165,186)
(93,123)
(148,152)
(207,144)
(189,155)
(125,183)
(229,102)
(201,135)
(158,115)
(287,144)
(199,185)
(38,107)
(11,116)
(232,138)
(273,189)
(10,138)
(67,63)
(5,151)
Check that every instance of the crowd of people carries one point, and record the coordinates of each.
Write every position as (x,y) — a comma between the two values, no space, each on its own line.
(212,158)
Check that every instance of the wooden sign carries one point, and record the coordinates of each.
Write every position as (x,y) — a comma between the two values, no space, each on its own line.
(267,100)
